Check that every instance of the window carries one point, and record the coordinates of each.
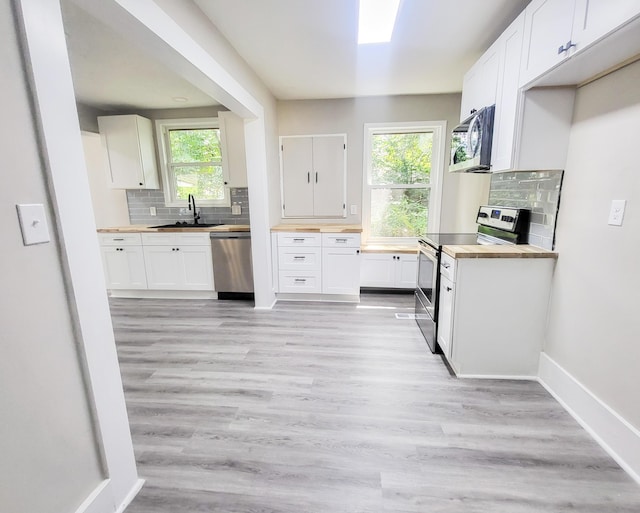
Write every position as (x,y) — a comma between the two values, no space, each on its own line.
(403,169)
(192,162)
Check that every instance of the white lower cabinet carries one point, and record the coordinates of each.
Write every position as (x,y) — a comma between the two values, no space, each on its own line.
(157,261)
(314,263)
(388,270)
(123,261)
(124,267)
(492,315)
(341,271)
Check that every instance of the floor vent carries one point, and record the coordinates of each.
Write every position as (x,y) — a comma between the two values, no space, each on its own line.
(406,316)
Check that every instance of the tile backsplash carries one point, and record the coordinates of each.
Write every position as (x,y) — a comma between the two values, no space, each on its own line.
(537,190)
(139,202)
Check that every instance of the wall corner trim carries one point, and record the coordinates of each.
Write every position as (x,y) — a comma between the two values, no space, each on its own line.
(614,434)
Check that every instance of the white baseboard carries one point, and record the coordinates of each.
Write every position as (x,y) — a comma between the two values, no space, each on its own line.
(101,500)
(497,376)
(130,496)
(163,294)
(616,436)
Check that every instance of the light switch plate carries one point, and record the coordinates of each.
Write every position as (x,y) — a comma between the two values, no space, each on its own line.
(354,209)
(617,212)
(152,211)
(33,224)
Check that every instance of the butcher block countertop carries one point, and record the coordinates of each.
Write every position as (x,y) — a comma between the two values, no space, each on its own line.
(140,228)
(386,248)
(498,251)
(315,228)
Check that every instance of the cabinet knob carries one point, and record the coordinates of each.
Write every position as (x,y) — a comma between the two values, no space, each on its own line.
(357,251)
(449,289)
(141,183)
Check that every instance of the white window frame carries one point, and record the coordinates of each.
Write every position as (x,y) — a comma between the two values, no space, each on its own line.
(439,130)
(162,135)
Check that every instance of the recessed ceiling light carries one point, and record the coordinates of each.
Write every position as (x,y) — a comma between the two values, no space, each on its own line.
(376,20)
(180,99)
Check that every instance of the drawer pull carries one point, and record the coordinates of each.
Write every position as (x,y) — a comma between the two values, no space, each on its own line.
(300,280)
(299,257)
(341,240)
(298,240)
(118,239)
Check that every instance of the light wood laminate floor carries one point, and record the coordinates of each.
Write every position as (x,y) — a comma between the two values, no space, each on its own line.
(339,408)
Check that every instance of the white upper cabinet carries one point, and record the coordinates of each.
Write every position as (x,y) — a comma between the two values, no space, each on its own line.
(313,174)
(547,36)
(596,18)
(130,151)
(574,31)
(234,161)
(504,125)
(480,83)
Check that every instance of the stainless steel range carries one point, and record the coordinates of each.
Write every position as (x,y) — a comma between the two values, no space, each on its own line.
(496,225)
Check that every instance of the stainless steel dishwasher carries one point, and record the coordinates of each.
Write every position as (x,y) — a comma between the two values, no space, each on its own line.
(232,264)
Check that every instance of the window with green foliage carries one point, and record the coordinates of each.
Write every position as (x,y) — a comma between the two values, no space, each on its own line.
(398,181)
(193,162)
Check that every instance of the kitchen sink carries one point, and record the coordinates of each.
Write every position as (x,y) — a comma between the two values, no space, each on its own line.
(186,225)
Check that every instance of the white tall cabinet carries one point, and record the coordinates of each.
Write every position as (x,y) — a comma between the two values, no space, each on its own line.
(313,176)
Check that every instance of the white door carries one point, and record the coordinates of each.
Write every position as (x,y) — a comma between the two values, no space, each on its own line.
(164,267)
(197,268)
(547,28)
(445,316)
(595,18)
(297,169)
(406,271)
(329,176)
(124,267)
(508,95)
(120,138)
(341,271)
(377,270)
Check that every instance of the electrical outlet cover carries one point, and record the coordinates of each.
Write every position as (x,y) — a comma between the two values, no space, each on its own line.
(616,214)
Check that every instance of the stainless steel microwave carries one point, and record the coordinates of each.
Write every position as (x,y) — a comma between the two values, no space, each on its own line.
(471,142)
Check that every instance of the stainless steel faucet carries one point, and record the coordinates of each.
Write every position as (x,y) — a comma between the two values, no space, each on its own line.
(192,201)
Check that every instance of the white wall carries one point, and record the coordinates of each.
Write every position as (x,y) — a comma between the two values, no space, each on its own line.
(109,205)
(348,116)
(594,325)
(47,445)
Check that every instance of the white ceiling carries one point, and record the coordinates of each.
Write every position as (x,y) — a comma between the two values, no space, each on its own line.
(301,49)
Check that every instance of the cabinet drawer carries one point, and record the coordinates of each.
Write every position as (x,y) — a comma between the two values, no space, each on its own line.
(299,239)
(175,239)
(341,240)
(120,239)
(448,266)
(291,258)
(304,282)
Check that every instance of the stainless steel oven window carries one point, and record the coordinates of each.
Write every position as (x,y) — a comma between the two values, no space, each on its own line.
(428,275)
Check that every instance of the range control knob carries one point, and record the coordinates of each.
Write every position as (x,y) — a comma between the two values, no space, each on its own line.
(508,219)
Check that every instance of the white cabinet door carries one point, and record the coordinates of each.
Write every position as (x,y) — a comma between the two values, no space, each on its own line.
(504,128)
(377,270)
(130,153)
(197,268)
(164,267)
(329,176)
(341,271)
(548,26)
(313,174)
(234,160)
(406,271)
(445,315)
(596,18)
(124,267)
(480,83)
(297,168)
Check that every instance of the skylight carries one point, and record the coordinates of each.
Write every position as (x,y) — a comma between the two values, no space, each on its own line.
(376,20)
